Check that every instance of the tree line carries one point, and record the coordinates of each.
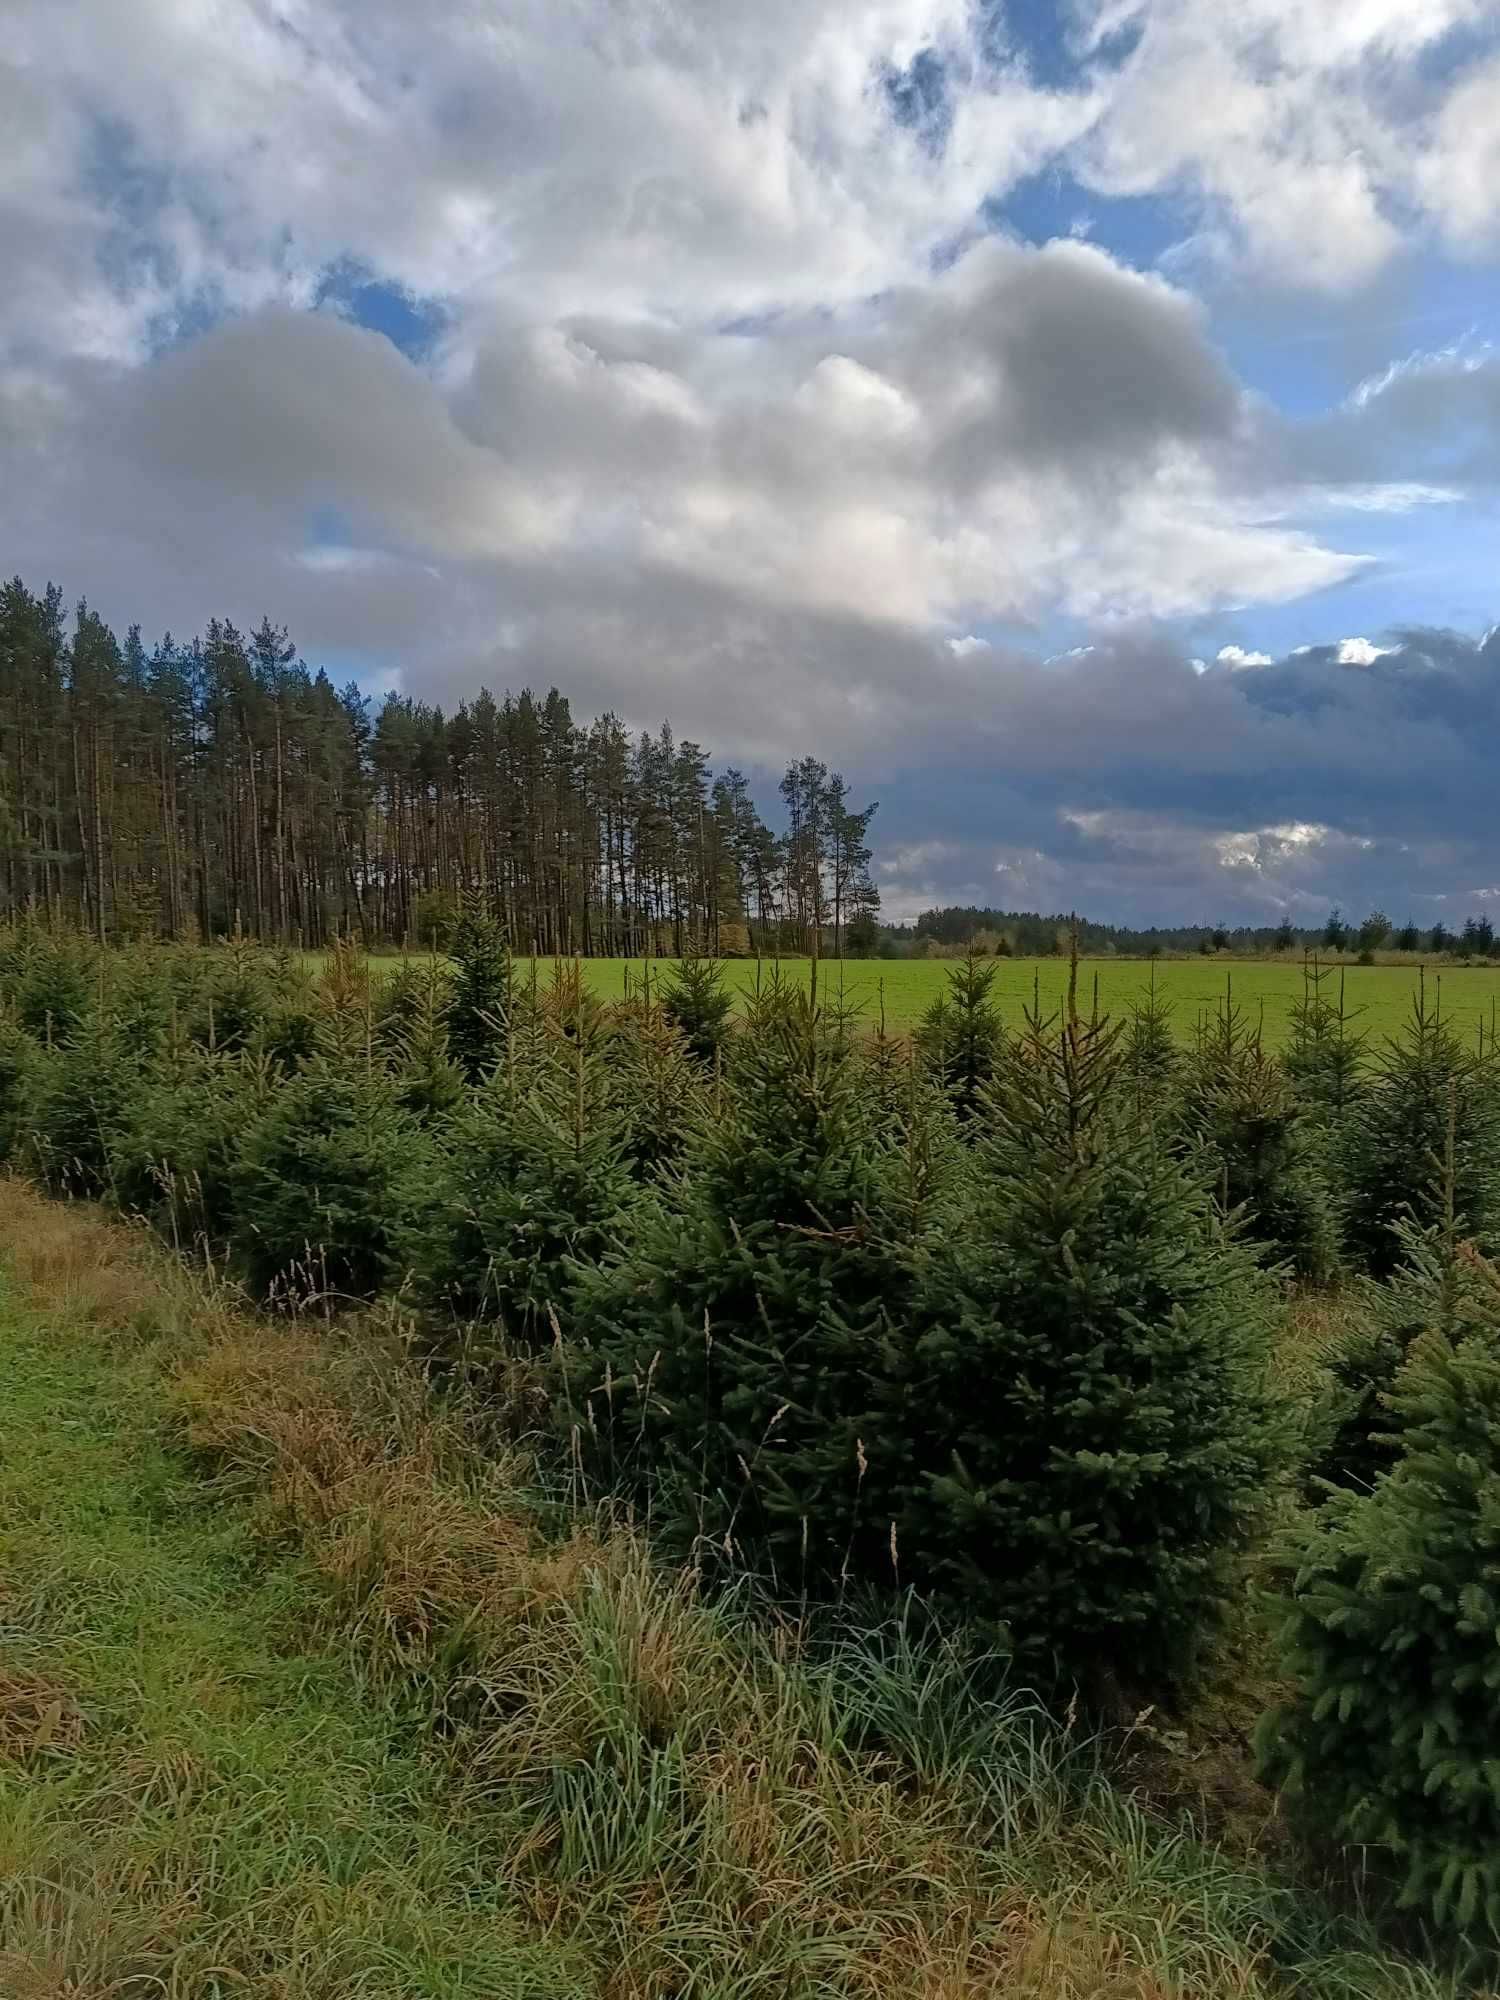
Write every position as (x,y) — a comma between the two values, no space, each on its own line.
(221,784)
(1031,934)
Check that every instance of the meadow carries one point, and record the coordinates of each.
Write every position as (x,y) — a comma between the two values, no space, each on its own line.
(1378,997)
(674,1498)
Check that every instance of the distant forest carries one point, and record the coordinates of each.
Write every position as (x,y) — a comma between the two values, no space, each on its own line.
(221,784)
(1028,934)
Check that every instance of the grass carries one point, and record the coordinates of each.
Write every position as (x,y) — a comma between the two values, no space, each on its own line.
(305,1696)
(1378,997)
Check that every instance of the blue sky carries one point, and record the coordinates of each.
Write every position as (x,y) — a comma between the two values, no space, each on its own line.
(979,393)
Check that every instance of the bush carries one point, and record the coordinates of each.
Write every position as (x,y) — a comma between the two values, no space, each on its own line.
(1080,1432)
(323,1188)
(1390,1635)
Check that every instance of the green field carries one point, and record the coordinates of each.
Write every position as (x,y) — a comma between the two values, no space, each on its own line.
(1378,997)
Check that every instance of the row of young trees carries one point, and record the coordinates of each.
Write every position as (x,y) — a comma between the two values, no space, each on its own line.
(222,784)
(988,1316)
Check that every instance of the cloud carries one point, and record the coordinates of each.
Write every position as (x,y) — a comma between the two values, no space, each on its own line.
(1360,652)
(1303,132)
(734,402)
(1121,781)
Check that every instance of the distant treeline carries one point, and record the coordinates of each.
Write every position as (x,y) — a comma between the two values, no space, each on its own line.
(221,785)
(1029,934)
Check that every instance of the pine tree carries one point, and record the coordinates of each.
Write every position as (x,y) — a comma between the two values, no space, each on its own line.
(1389,1634)
(1082,1424)
(728,1376)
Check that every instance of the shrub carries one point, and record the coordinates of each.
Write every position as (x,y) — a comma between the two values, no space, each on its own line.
(1080,1431)
(1390,1635)
(323,1187)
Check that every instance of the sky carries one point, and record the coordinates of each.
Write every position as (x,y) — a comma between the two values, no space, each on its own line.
(1078,423)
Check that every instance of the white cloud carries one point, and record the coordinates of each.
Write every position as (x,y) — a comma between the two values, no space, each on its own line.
(1298,129)
(966,647)
(1360,652)
(1236,657)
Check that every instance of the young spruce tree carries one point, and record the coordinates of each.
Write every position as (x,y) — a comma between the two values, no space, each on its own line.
(734,1342)
(531,1181)
(1245,1129)
(1394,1137)
(696,1001)
(1390,1637)
(961,1036)
(479,1004)
(1085,1432)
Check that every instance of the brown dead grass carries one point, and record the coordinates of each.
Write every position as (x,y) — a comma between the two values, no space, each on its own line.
(38,1717)
(78,1265)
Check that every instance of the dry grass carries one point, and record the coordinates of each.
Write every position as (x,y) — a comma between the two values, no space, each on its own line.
(38,1717)
(89,1271)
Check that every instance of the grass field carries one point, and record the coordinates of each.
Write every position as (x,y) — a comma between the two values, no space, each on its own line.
(1378,997)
